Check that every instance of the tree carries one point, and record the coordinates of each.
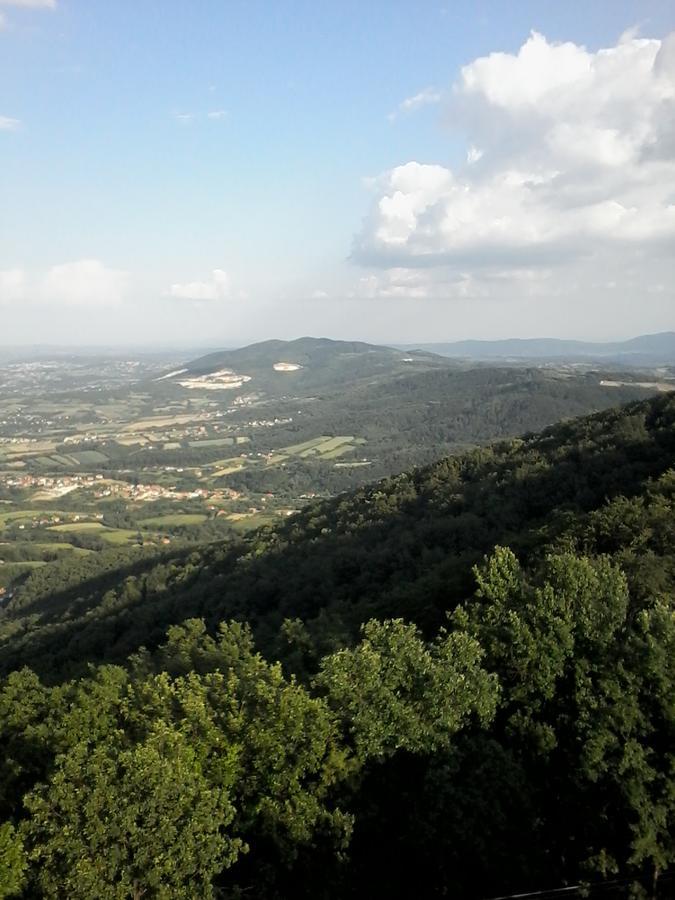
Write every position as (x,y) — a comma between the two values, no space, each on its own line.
(394,692)
(138,822)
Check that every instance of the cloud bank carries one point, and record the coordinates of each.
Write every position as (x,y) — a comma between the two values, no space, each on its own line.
(570,158)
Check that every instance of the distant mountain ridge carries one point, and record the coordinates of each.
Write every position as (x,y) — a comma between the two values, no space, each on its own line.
(647,349)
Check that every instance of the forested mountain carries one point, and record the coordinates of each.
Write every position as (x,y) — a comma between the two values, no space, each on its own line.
(475,695)
(402,409)
(283,367)
(412,419)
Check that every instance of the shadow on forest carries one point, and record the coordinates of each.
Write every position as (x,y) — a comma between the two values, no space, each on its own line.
(377,553)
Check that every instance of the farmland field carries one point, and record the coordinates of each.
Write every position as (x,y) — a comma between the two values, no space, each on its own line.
(89,456)
(175,519)
(77,526)
(214,442)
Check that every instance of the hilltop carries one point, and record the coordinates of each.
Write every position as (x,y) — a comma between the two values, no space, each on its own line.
(281,367)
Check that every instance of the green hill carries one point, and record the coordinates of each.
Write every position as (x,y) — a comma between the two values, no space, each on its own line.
(309,363)
(404,408)
(412,419)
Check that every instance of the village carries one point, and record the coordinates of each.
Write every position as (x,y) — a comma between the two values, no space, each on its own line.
(49,487)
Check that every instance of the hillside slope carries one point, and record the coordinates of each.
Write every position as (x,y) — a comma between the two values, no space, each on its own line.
(402,547)
(280,368)
(408,415)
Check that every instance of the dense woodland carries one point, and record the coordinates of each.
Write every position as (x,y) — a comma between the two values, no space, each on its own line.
(410,420)
(456,682)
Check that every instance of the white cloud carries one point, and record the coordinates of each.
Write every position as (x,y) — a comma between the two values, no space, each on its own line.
(86,282)
(217,114)
(427,97)
(218,288)
(30,4)
(9,124)
(184,118)
(12,285)
(576,161)
(539,70)
(3,21)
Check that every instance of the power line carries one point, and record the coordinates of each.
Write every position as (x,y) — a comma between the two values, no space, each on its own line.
(588,888)
(545,893)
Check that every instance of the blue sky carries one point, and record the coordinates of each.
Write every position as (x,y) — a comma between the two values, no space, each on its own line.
(146,146)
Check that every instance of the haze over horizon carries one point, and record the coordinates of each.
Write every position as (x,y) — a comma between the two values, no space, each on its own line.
(392,173)
(493,348)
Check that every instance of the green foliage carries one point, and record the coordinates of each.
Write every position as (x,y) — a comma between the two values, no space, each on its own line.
(117,823)
(530,633)
(394,692)
(12,861)
(589,692)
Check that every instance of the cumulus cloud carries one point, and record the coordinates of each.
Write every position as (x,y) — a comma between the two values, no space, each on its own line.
(576,160)
(427,97)
(217,288)
(9,124)
(83,282)
(217,114)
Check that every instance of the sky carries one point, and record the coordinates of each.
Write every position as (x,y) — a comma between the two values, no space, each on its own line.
(223,171)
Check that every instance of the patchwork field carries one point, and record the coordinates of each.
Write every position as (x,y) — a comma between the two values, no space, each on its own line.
(322,447)
(77,527)
(163,421)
